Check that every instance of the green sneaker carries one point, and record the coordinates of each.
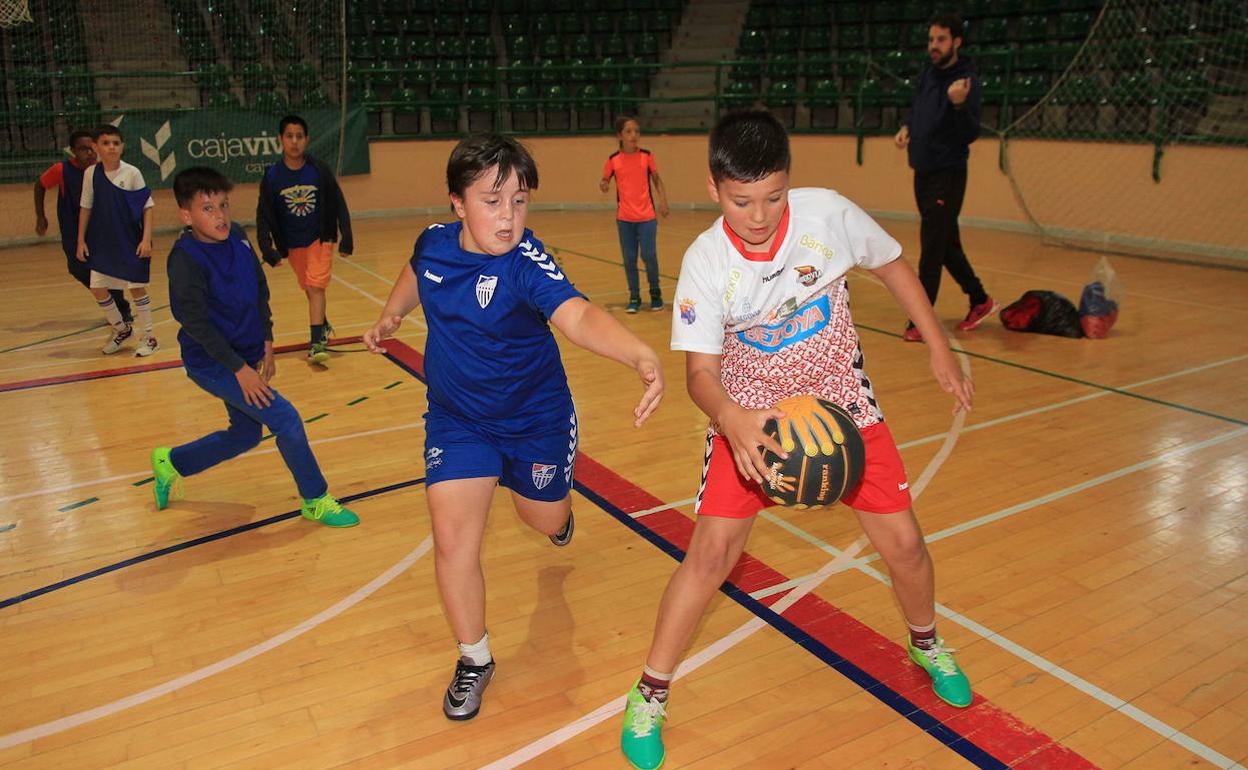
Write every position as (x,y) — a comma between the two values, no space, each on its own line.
(166,478)
(642,737)
(327,511)
(948,681)
(318,353)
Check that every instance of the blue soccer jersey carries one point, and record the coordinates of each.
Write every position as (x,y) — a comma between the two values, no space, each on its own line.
(490,357)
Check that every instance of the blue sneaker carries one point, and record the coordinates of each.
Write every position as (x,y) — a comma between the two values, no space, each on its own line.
(642,737)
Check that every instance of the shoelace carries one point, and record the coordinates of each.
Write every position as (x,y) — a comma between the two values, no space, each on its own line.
(645,715)
(466,678)
(325,506)
(940,657)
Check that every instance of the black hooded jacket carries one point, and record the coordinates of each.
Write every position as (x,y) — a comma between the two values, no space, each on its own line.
(940,133)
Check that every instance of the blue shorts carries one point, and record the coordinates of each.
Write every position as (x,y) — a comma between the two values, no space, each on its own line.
(535,467)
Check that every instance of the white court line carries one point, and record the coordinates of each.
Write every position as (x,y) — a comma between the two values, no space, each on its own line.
(252,453)
(1077,400)
(839,563)
(99,712)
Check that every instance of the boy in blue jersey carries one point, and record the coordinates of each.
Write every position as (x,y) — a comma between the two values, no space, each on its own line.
(299,214)
(218,293)
(66,176)
(115,238)
(500,412)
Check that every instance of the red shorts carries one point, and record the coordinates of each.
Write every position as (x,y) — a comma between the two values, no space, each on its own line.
(312,264)
(883,489)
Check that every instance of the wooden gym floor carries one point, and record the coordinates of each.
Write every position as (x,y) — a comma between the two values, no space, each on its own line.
(1087,522)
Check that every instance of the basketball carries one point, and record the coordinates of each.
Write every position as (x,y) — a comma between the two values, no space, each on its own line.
(826,459)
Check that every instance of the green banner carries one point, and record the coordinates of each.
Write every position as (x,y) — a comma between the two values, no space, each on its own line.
(240,145)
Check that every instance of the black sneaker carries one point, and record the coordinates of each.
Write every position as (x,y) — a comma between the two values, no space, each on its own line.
(463,698)
(634,304)
(564,536)
(656,302)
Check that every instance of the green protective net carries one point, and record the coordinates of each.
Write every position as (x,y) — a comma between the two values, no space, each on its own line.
(187,81)
(1149,96)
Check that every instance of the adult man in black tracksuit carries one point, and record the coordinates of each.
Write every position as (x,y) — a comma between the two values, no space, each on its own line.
(944,120)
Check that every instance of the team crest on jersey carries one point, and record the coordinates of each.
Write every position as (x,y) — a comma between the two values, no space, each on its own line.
(300,199)
(433,458)
(486,284)
(807,274)
(687,314)
(806,321)
(543,474)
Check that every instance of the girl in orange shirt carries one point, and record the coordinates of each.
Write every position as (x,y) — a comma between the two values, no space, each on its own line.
(637,184)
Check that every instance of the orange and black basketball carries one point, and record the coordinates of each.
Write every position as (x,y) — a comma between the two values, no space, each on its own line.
(827,457)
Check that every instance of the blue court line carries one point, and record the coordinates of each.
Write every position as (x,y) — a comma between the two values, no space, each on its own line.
(191,544)
(874,687)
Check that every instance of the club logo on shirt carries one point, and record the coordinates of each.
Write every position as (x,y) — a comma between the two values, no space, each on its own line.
(485,289)
(543,474)
(807,274)
(300,199)
(687,314)
(433,458)
(807,321)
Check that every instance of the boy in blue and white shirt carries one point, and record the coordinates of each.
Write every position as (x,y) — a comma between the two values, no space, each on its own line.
(500,411)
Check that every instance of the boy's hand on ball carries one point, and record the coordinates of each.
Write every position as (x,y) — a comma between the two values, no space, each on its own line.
(743,428)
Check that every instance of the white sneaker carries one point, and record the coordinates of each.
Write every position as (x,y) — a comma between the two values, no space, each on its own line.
(149,346)
(116,338)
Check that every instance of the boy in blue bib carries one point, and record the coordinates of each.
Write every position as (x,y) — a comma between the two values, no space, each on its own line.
(218,294)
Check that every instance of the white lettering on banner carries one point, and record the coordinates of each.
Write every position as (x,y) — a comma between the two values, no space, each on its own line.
(225,148)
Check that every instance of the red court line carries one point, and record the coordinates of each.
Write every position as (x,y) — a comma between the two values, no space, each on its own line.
(991,728)
(101,374)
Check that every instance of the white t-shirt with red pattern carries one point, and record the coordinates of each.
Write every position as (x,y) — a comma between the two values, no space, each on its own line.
(781,321)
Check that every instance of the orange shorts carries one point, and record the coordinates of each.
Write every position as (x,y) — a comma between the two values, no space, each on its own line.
(883,489)
(312,264)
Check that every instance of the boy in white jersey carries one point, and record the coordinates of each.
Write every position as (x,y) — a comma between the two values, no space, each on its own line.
(762,312)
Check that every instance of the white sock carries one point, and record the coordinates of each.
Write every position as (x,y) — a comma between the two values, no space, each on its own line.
(143,313)
(477,653)
(111,313)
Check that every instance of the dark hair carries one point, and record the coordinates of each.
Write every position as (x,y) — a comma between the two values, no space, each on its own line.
(951,22)
(292,119)
(747,145)
(78,135)
(198,179)
(624,120)
(106,129)
(479,152)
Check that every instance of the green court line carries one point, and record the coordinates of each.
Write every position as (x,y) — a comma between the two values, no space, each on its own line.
(266,438)
(79,504)
(7,527)
(358,400)
(1076,380)
(66,334)
(141,482)
(314,419)
(393,385)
